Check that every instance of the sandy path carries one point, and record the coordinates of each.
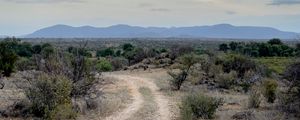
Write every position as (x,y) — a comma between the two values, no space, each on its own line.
(134,106)
(134,83)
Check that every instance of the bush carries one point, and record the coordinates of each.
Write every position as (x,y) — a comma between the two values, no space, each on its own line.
(223,47)
(226,80)
(105,52)
(104,65)
(254,98)
(195,106)
(8,57)
(248,79)
(177,79)
(187,61)
(25,64)
(275,41)
(62,112)
(47,50)
(179,50)
(49,96)
(128,47)
(238,63)
(118,63)
(292,95)
(270,88)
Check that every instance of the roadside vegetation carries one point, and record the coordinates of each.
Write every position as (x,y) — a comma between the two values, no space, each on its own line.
(202,78)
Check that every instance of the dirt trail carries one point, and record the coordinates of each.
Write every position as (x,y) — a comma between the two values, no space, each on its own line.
(134,83)
(134,106)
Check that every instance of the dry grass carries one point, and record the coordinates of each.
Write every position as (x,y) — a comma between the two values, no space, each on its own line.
(115,97)
(234,102)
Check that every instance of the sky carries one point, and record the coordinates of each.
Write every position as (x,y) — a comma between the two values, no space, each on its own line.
(19,17)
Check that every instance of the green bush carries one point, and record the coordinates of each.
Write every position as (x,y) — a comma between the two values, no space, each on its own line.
(223,47)
(106,52)
(25,64)
(62,112)
(104,66)
(49,96)
(47,50)
(254,98)
(128,47)
(226,80)
(238,63)
(270,88)
(8,57)
(195,106)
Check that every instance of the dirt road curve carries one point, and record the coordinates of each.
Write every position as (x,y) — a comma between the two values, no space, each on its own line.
(134,83)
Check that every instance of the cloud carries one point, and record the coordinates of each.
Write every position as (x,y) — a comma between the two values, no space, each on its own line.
(160,10)
(284,2)
(44,1)
(230,12)
(145,5)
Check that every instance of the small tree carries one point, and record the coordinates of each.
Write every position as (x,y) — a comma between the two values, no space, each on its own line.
(187,61)
(233,45)
(128,47)
(105,52)
(8,57)
(223,47)
(275,41)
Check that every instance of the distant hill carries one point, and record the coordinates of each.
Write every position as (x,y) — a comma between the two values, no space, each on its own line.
(126,31)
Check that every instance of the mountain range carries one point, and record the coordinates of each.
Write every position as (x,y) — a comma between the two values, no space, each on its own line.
(126,31)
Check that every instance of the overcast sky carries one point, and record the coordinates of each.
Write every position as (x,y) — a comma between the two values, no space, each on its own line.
(20,17)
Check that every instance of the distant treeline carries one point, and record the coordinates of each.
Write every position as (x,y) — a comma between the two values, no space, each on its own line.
(274,47)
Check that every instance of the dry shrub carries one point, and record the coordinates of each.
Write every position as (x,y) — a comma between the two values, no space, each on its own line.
(270,88)
(118,63)
(177,79)
(226,80)
(291,97)
(195,106)
(50,97)
(254,98)
(23,64)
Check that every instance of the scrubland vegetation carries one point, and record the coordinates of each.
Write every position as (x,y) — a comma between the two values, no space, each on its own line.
(267,73)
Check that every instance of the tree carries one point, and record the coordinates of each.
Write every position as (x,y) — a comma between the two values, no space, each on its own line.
(238,63)
(47,50)
(24,49)
(8,57)
(223,47)
(187,61)
(128,47)
(37,49)
(105,52)
(233,45)
(81,51)
(275,41)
